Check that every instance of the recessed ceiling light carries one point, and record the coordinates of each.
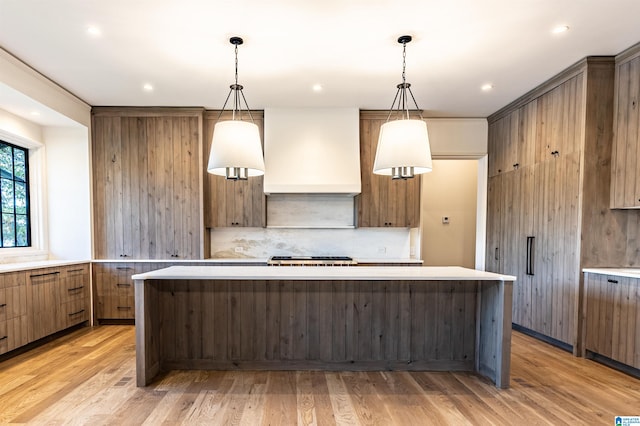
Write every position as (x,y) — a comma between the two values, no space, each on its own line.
(560,29)
(487,87)
(94,31)
(147,87)
(317,87)
(35,113)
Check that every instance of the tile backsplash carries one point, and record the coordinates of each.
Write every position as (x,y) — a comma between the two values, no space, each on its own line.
(370,243)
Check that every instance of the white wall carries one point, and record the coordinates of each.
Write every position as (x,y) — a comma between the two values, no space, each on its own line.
(68,184)
(449,191)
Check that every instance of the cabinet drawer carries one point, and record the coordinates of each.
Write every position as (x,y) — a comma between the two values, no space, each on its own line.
(116,307)
(4,337)
(13,302)
(75,283)
(12,279)
(75,312)
(13,333)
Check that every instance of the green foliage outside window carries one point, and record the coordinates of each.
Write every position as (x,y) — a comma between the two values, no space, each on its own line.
(14,191)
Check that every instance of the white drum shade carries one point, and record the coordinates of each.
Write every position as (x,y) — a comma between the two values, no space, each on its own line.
(236,144)
(403,143)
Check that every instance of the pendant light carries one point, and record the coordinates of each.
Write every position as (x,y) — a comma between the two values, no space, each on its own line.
(403,145)
(236,150)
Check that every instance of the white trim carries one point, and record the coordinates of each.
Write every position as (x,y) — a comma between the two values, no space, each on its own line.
(37,202)
(481,213)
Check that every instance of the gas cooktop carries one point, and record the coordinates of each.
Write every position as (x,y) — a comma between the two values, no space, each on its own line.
(311,261)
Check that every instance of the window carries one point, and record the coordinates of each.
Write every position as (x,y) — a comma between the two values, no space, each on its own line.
(14,188)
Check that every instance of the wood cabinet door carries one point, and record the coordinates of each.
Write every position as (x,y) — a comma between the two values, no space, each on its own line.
(560,120)
(107,163)
(625,175)
(625,335)
(146,165)
(383,202)
(44,302)
(495,224)
(232,203)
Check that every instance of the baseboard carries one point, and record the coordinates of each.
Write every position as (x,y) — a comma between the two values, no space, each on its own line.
(550,340)
(616,365)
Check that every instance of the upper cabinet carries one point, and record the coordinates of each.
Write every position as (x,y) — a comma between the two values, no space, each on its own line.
(147,175)
(228,202)
(625,173)
(383,202)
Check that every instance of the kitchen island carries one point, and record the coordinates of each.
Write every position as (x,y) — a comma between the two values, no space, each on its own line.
(324,318)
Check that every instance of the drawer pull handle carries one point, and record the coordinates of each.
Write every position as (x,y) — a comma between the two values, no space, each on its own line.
(76,313)
(3,305)
(75,288)
(3,337)
(123,268)
(124,308)
(75,270)
(45,274)
(613,281)
(123,285)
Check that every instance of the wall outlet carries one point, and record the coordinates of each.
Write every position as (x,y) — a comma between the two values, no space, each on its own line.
(239,249)
(445,220)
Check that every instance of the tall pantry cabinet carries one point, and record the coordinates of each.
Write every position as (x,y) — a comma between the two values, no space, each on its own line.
(147,183)
(548,196)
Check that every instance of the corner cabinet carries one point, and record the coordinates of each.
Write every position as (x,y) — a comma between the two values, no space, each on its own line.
(147,174)
(383,202)
(625,173)
(548,199)
(229,203)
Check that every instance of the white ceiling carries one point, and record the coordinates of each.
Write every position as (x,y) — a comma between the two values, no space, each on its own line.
(349,47)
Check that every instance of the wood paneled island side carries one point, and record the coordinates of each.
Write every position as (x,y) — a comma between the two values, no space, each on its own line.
(323,318)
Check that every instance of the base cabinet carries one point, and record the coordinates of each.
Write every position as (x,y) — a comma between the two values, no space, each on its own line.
(40,302)
(613,317)
(13,311)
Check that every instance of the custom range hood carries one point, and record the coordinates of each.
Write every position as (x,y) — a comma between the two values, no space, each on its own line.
(312,151)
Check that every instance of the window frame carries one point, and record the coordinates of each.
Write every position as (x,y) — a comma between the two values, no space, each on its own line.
(27,183)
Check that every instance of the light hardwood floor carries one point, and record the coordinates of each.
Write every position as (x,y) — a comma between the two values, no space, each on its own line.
(88,377)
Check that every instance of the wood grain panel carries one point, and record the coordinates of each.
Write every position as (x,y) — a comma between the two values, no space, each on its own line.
(279,324)
(146,169)
(383,202)
(232,203)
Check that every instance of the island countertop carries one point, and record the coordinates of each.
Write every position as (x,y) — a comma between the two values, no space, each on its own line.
(382,273)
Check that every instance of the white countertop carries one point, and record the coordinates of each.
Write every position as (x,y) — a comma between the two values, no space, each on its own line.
(621,272)
(212,261)
(25,266)
(385,273)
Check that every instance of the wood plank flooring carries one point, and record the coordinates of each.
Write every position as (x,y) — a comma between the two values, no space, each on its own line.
(88,377)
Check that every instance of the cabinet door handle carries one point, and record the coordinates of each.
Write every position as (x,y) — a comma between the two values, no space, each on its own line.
(496,254)
(124,308)
(75,270)
(123,285)
(76,313)
(3,305)
(44,274)
(75,288)
(3,337)
(613,281)
(530,257)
